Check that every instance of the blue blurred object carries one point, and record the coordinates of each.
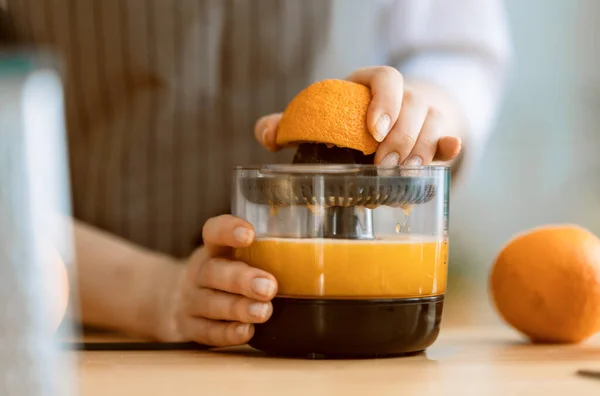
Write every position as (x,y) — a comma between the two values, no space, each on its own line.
(34,206)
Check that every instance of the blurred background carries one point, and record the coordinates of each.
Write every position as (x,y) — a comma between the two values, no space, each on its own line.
(541,163)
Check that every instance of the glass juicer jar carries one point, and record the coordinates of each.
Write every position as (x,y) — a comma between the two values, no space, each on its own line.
(359,252)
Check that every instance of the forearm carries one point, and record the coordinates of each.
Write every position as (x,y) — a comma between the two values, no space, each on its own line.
(120,285)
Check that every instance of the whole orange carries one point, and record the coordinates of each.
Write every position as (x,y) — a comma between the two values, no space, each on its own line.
(331,112)
(546,284)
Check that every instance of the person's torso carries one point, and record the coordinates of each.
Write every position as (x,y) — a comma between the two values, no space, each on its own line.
(162,97)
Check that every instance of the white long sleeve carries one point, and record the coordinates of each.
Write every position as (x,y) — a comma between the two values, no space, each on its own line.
(460,45)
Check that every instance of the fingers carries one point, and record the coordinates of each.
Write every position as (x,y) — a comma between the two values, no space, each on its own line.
(219,334)
(227,230)
(448,148)
(409,130)
(429,145)
(386,85)
(218,305)
(425,147)
(397,146)
(238,278)
(265,131)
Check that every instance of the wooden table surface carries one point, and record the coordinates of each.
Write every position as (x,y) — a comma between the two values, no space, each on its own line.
(465,360)
(474,355)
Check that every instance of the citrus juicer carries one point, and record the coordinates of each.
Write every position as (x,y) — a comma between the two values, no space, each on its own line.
(347,203)
(359,252)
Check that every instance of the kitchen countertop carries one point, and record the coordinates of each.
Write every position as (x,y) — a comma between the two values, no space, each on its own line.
(490,360)
(475,354)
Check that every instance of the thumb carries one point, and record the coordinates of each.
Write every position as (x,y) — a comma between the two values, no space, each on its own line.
(265,131)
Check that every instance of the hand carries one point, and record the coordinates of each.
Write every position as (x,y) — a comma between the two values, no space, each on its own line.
(215,300)
(406,120)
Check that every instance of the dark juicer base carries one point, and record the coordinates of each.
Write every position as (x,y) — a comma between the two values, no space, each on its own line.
(322,328)
(331,329)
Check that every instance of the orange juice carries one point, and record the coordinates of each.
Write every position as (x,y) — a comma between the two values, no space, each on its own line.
(395,267)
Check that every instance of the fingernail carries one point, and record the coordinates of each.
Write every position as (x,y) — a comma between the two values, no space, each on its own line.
(243,235)
(264,287)
(414,161)
(382,127)
(391,159)
(264,135)
(242,329)
(258,310)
